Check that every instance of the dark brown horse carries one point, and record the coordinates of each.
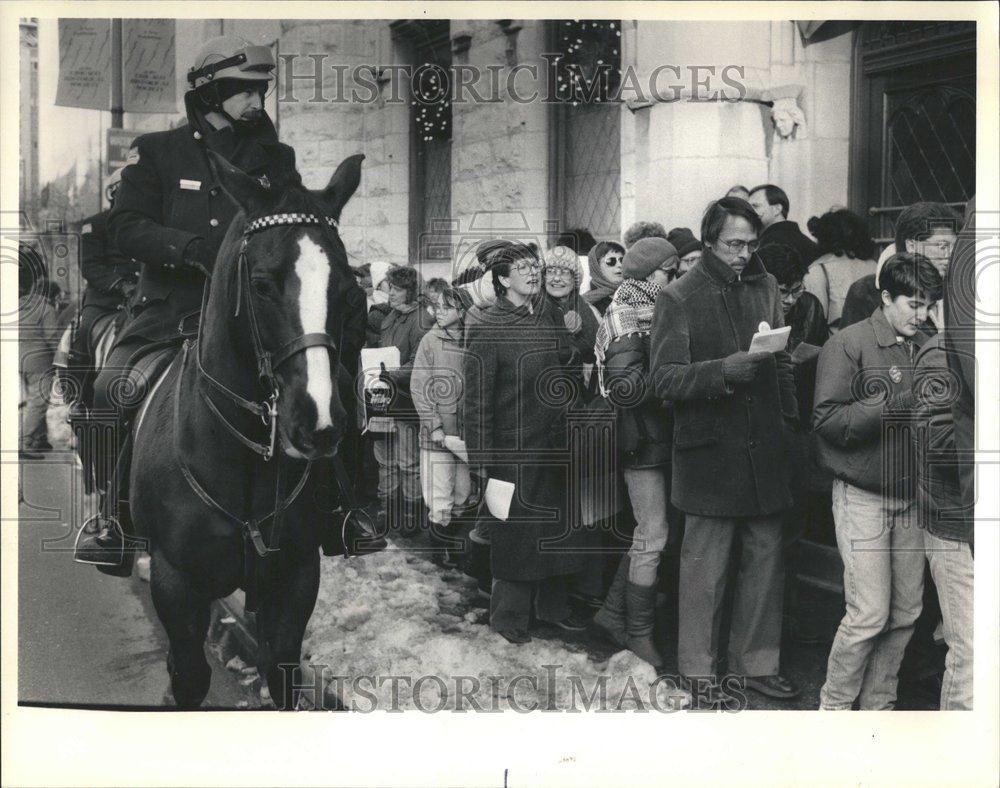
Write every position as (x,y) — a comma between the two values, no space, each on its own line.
(233,447)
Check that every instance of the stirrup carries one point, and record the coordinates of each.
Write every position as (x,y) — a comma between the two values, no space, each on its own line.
(91,529)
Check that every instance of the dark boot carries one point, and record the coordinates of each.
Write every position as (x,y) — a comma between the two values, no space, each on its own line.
(105,540)
(640,603)
(611,618)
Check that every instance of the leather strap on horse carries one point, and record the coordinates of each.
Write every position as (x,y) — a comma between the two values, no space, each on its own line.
(250,526)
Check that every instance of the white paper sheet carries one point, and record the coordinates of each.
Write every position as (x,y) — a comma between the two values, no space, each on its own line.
(773,340)
(498,496)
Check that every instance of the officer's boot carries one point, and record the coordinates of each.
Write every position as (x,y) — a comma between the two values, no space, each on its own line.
(104,540)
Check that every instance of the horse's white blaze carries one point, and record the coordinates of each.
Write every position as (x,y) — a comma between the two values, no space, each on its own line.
(313,271)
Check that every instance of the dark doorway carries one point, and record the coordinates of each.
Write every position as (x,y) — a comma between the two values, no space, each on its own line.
(914,122)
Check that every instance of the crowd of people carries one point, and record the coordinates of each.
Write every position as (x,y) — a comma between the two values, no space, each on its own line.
(720,460)
(587,427)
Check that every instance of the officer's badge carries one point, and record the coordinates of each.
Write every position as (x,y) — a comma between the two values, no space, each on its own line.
(264,182)
(87,229)
(895,375)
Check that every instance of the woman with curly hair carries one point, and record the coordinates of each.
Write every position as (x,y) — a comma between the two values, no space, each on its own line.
(847,253)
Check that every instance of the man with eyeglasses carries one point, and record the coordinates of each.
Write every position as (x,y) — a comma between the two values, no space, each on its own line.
(924,228)
(732,410)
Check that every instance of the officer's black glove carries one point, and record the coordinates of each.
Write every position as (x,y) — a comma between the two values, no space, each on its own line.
(195,255)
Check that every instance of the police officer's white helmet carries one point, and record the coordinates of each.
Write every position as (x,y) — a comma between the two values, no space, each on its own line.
(231,57)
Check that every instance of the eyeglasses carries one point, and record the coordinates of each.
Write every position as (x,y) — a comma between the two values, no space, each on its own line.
(554,271)
(612,261)
(438,308)
(941,246)
(526,267)
(738,246)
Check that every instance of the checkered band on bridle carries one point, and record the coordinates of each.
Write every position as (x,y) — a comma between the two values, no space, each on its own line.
(276,219)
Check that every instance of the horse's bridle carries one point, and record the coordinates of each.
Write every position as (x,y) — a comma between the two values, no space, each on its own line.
(267,362)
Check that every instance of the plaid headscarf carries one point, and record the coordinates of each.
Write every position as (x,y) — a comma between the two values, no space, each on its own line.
(630,313)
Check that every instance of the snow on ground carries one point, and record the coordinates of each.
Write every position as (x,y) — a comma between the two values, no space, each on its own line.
(396,614)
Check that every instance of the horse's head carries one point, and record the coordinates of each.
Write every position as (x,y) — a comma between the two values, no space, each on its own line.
(294,282)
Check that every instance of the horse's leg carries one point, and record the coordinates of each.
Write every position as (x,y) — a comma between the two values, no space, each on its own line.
(286,603)
(185,616)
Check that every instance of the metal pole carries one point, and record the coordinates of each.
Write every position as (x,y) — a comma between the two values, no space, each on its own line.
(117,111)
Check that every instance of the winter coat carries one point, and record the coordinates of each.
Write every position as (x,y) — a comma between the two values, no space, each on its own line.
(436,383)
(808,325)
(403,329)
(645,422)
(830,277)
(168,199)
(864,382)
(373,330)
(103,267)
(590,318)
(788,233)
(730,442)
(515,425)
(38,333)
(960,341)
(938,483)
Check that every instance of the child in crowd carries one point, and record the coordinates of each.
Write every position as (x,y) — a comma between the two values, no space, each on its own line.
(436,387)
(864,399)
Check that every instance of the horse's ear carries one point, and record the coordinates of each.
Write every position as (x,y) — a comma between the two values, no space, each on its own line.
(246,191)
(342,185)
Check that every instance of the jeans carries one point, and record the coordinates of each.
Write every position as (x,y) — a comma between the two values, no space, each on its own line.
(445,483)
(883,553)
(398,455)
(755,642)
(951,568)
(511,602)
(649,492)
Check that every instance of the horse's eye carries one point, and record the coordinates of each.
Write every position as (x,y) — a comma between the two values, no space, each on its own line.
(263,287)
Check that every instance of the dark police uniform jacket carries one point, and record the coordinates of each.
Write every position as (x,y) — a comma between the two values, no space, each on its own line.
(102,265)
(168,199)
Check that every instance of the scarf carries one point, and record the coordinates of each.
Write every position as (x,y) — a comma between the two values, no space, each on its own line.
(630,313)
(600,286)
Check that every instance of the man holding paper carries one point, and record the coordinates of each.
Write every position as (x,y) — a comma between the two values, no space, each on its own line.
(732,412)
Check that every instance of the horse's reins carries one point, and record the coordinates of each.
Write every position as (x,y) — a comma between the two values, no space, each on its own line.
(267,364)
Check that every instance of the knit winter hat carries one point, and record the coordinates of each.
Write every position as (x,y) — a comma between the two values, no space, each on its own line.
(684,241)
(564,257)
(647,255)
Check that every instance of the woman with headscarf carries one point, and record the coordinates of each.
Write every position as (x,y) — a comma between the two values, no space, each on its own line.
(605,263)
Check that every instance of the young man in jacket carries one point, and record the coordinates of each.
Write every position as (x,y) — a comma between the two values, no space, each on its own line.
(863,409)
(732,410)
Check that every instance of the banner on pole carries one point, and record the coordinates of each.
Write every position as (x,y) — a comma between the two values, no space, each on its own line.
(149,68)
(84,64)
(119,142)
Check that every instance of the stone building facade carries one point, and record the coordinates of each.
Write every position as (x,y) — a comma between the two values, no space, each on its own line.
(529,168)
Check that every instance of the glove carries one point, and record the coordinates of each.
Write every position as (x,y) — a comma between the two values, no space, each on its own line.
(195,255)
(741,367)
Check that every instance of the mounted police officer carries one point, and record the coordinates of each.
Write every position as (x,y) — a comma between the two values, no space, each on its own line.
(111,277)
(172,215)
